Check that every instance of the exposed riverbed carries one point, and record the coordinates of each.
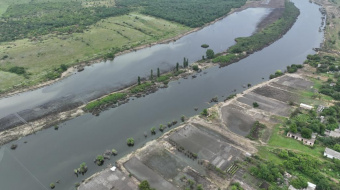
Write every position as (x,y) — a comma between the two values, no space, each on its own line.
(52,155)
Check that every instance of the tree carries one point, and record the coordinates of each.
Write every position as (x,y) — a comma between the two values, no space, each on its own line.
(336,147)
(293,128)
(151,75)
(158,73)
(195,67)
(177,66)
(255,104)
(138,80)
(306,133)
(210,54)
(130,141)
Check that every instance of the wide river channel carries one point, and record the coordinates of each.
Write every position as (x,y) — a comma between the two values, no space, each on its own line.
(52,155)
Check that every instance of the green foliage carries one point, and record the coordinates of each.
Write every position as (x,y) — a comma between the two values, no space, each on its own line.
(227,59)
(177,67)
(306,133)
(112,98)
(269,34)
(204,45)
(144,185)
(17,70)
(56,72)
(130,141)
(39,18)
(293,68)
(236,186)
(138,80)
(205,112)
(254,133)
(141,88)
(195,67)
(151,75)
(100,160)
(82,168)
(267,171)
(153,130)
(192,13)
(199,187)
(277,74)
(210,54)
(164,78)
(114,152)
(299,182)
(185,62)
(158,73)
(255,105)
(336,147)
(182,118)
(293,128)
(52,185)
(161,127)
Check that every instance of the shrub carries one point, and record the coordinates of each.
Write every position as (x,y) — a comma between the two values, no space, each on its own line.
(161,127)
(17,70)
(204,45)
(153,130)
(100,160)
(114,152)
(255,104)
(205,112)
(195,67)
(130,141)
(52,185)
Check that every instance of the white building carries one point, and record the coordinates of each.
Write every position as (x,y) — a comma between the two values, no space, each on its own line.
(305,106)
(329,153)
(310,186)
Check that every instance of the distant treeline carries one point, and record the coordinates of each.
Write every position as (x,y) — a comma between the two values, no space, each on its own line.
(192,13)
(33,19)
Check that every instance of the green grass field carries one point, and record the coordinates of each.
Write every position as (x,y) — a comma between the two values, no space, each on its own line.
(50,51)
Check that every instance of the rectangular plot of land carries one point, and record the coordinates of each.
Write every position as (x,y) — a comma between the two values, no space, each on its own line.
(266,104)
(297,83)
(276,93)
(142,172)
(163,163)
(237,121)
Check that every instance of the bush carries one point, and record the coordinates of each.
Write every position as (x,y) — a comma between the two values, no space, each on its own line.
(161,127)
(195,67)
(204,45)
(114,152)
(299,182)
(255,104)
(17,70)
(153,130)
(130,141)
(205,112)
(100,160)
(52,185)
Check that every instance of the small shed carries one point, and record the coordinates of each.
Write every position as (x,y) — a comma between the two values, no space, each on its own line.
(305,106)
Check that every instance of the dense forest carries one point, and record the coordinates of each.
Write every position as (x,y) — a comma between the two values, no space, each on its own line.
(33,19)
(192,13)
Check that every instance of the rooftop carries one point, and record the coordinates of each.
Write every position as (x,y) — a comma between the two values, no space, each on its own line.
(333,153)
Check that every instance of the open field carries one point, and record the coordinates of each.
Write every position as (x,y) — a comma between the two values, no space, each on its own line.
(50,51)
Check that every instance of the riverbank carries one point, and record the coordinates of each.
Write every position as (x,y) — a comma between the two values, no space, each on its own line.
(84,63)
(202,65)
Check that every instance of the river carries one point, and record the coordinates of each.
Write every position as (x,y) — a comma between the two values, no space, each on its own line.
(52,155)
